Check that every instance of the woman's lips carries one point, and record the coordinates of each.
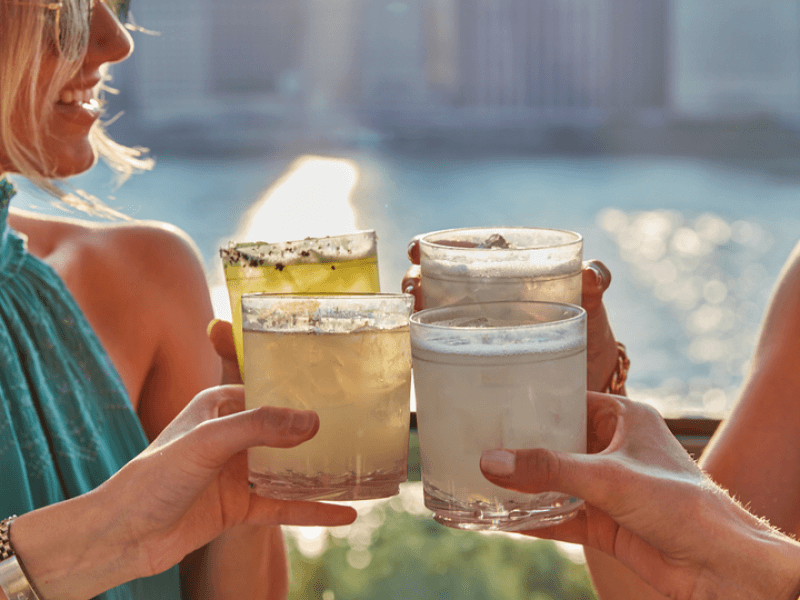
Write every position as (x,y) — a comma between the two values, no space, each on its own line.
(78,106)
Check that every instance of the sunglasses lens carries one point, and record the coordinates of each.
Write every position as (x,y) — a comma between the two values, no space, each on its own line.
(72,27)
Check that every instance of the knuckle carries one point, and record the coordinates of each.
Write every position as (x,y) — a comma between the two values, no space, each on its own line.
(541,468)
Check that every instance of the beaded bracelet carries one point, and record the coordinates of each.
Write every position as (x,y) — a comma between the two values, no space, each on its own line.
(616,383)
(12,577)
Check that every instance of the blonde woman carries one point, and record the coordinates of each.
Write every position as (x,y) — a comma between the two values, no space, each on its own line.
(103,350)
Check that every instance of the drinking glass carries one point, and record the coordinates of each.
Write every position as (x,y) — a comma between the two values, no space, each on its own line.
(462,266)
(348,358)
(497,375)
(336,264)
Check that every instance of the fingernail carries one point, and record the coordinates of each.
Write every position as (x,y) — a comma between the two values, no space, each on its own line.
(498,462)
(410,249)
(303,422)
(211,326)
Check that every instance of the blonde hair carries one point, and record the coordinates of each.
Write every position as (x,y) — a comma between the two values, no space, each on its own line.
(24,36)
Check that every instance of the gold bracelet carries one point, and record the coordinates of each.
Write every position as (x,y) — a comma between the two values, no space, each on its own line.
(616,383)
(12,576)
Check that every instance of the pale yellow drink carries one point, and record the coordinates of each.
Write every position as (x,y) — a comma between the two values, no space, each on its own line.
(358,382)
(337,264)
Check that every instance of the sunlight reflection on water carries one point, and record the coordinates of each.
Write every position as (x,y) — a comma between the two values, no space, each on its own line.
(312,198)
(708,272)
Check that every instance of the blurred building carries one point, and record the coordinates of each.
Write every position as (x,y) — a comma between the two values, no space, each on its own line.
(736,57)
(198,57)
(571,57)
(572,61)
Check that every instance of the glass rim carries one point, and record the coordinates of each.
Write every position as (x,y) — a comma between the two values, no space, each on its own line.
(340,236)
(328,295)
(345,247)
(577,239)
(580,313)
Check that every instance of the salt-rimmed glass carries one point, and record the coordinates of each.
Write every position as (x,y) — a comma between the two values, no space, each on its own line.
(336,264)
(497,375)
(348,358)
(460,266)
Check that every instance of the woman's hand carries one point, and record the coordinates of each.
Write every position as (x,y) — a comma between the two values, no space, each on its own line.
(601,351)
(190,484)
(649,506)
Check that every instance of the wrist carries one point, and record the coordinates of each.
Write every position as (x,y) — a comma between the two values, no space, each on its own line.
(761,563)
(74,549)
(779,558)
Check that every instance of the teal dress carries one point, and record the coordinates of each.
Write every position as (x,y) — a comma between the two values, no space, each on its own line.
(66,424)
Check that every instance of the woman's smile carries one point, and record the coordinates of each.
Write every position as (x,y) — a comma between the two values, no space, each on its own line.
(78,107)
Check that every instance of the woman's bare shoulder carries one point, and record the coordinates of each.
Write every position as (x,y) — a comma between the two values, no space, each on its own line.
(140,284)
(133,249)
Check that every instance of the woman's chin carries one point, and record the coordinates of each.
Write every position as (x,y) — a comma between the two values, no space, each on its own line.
(74,164)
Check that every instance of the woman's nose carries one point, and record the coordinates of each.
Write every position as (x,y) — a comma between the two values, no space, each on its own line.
(109,41)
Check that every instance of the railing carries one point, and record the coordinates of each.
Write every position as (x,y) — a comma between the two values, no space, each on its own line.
(693,433)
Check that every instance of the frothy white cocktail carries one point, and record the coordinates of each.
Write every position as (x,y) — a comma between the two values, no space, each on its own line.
(496,375)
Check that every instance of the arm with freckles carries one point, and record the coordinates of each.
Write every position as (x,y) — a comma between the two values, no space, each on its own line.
(756,451)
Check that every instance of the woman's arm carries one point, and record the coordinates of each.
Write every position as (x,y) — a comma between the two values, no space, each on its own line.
(755,454)
(247,562)
(143,290)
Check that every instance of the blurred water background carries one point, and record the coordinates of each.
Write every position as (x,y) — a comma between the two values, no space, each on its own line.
(666,132)
(694,245)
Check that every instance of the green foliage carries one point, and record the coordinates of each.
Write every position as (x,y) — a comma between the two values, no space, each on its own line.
(391,553)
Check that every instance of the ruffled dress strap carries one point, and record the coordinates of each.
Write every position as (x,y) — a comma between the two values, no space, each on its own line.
(66,423)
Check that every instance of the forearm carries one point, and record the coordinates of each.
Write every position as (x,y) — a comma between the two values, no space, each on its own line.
(244,563)
(74,549)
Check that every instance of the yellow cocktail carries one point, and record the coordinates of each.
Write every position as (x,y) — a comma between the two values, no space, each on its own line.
(332,265)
